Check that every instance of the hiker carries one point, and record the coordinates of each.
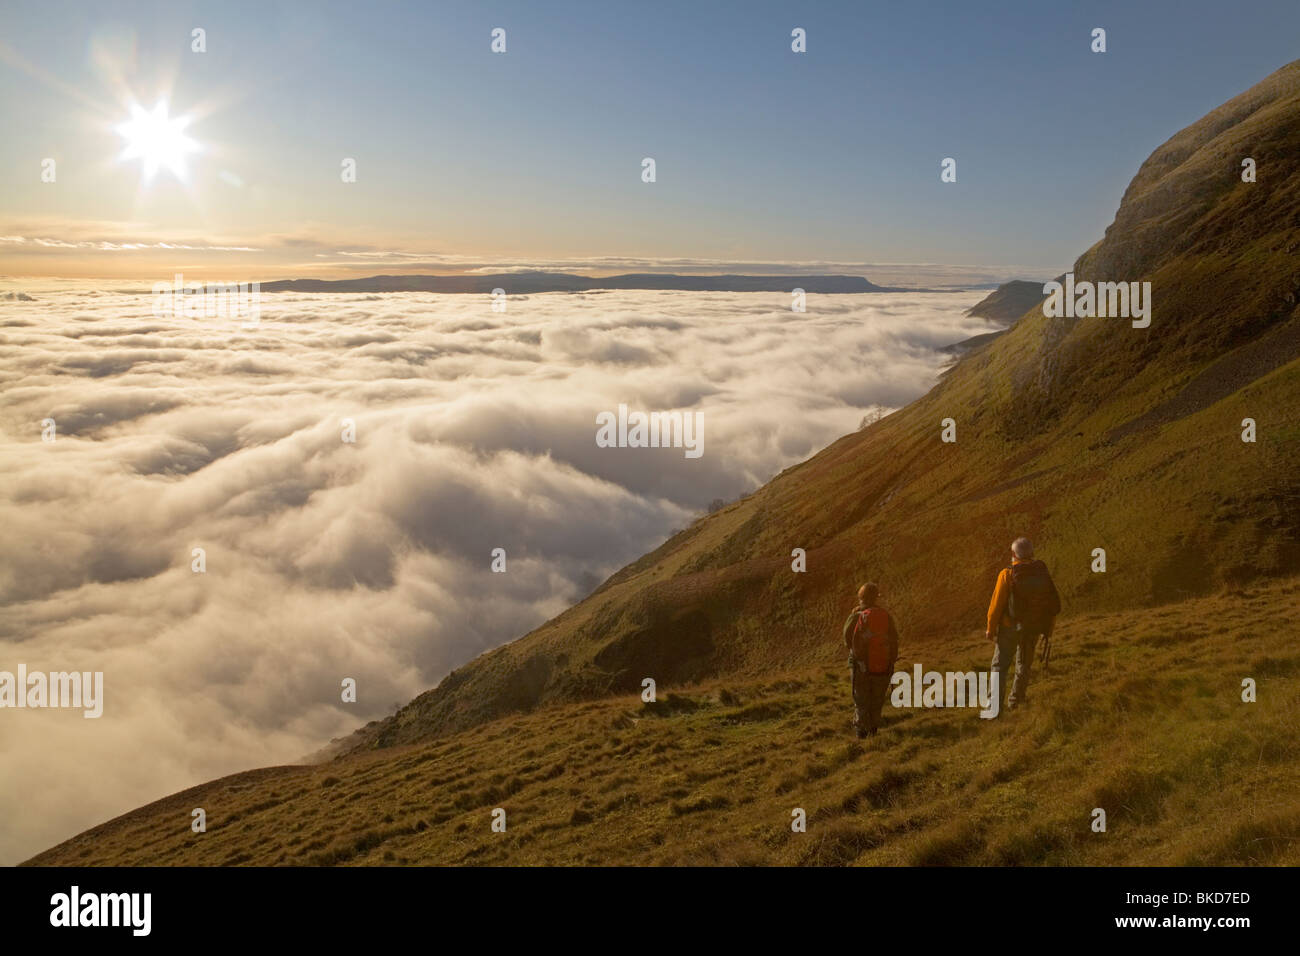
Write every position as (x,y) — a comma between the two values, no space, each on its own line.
(872,639)
(1024,607)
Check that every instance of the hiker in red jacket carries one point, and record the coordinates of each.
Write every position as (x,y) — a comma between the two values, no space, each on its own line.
(872,639)
(1024,607)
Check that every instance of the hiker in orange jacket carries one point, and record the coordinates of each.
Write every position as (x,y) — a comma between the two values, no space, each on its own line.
(872,639)
(1024,607)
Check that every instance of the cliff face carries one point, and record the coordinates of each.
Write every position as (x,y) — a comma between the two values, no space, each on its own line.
(1219,252)
(1189,198)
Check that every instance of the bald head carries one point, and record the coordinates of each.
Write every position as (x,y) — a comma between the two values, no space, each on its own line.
(868,594)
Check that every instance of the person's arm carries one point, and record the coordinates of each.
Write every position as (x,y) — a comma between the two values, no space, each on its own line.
(997,606)
(848,638)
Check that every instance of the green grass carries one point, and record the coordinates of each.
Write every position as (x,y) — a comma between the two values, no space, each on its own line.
(1140,714)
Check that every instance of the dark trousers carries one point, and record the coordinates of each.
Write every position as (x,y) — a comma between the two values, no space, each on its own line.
(1017,646)
(869,693)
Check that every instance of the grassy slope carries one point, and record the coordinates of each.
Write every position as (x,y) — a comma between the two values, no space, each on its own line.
(1140,714)
(1081,434)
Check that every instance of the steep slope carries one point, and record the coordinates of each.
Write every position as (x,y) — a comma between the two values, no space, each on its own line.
(1083,433)
(1158,737)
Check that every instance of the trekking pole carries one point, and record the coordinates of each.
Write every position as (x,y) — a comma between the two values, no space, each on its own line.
(1046,653)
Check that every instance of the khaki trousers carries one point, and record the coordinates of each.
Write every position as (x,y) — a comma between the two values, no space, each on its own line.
(1018,646)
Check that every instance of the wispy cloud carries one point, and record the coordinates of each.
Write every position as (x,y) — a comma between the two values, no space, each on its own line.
(104,245)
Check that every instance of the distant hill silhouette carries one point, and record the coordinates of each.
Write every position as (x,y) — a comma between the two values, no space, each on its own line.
(1009,301)
(525,283)
(1006,304)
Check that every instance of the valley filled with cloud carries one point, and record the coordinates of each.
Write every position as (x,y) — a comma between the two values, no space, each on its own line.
(368,559)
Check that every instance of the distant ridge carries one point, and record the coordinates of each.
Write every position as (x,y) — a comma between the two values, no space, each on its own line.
(1005,305)
(1009,301)
(523,283)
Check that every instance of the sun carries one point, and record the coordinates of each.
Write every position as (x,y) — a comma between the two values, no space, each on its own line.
(157,140)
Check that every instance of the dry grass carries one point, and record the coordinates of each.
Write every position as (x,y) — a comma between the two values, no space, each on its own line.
(1141,714)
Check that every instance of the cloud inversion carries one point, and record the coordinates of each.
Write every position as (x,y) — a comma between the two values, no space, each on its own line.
(327,559)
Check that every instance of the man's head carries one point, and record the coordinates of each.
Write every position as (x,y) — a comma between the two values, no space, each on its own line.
(1022,548)
(868,594)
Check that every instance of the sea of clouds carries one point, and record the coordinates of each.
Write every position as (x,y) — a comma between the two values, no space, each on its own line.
(325,559)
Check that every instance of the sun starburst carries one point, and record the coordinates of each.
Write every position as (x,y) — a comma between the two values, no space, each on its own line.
(157,140)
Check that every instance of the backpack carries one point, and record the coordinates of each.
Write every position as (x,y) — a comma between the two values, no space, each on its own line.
(1033,600)
(871,640)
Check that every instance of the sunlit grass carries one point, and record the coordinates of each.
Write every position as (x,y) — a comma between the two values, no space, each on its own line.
(1140,714)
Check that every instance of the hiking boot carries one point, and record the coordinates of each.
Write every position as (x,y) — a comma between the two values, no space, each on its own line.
(861,733)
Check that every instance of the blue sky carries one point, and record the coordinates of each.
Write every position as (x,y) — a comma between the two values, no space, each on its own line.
(763,155)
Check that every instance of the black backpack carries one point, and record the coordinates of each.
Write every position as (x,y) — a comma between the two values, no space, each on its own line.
(1033,600)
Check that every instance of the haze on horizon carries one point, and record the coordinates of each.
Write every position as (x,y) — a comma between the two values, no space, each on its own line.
(767,160)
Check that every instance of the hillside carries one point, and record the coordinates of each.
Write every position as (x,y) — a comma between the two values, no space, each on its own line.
(1083,434)
(1187,773)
